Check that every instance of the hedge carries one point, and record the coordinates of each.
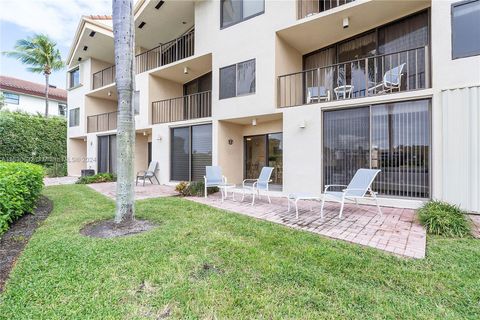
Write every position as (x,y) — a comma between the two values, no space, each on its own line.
(20,187)
(35,139)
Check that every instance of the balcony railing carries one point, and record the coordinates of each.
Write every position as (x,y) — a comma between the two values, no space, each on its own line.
(193,106)
(306,8)
(166,53)
(103,77)
(102,122)
(382,74)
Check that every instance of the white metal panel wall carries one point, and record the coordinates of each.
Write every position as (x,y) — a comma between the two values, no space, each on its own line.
(461,147)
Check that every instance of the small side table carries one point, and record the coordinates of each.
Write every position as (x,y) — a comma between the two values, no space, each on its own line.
(224,190)
(343,92)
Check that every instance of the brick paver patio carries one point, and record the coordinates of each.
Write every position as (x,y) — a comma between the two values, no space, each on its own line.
(396,231)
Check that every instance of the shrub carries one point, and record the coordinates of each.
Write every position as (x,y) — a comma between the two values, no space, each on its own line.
(20,187)
(35,139)
(182,188)
(97,178)
(442,218)
(194,188)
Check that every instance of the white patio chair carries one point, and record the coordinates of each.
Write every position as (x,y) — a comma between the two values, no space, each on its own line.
(317,94)
(148,174)
(260,184)
(391,80)
(213,178)
(358,188)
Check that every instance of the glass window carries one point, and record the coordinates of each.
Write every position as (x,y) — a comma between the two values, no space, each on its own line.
(191,152)
(11,98)
(466,29)
(246,77)
(62,109)
(235,11)
(238,79)
(394,138)
(74,117)
(74,78)
(228,82)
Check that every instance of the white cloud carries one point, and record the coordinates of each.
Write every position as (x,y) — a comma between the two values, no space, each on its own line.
(56,18)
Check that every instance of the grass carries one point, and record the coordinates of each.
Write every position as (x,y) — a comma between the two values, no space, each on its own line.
(204,263)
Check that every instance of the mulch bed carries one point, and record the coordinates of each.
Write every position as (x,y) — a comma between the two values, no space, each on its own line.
(110,229)
(16,238)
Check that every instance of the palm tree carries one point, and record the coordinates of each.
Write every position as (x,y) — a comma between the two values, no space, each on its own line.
(41,54)
(124,41)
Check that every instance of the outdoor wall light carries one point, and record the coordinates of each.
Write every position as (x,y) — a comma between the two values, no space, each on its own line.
(254,122)
(84,139)
(185,70)
(159,137)
(109,93)
(144,133)
(230,141)
(302,124)
(346,22)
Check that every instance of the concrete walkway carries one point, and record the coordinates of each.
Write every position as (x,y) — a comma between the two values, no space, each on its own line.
(141,192)
(59,181)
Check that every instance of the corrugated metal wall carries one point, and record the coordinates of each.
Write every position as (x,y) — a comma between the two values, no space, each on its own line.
(461,147)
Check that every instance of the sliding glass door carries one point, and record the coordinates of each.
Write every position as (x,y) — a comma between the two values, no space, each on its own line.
(107,154)
(264,150)
(191,151)
(394,138)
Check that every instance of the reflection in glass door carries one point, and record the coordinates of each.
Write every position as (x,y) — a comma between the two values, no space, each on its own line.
(107,154)
(262,151)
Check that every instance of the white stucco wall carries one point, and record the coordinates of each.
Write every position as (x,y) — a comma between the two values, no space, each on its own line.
(33,104)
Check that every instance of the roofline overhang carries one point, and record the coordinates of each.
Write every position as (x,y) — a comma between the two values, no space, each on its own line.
(81,27)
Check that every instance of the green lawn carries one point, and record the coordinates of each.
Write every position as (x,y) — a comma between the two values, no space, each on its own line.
(261,270)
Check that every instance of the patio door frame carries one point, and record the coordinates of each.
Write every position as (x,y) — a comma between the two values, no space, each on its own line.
(266,150)
(430,132)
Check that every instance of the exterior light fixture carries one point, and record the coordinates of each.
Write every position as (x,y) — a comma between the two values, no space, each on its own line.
(144,133)
(230,141)
(302,124)
(254,122)
(141,25)
(92,34)
(109,93)
(346,22)
(185,70)
(85,48)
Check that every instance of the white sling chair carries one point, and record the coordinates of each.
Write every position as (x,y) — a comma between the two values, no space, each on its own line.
(213,178)
(358,188)
(260,184)
(392,80)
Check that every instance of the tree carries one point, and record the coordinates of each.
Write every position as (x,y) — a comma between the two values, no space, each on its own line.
(41,53)
(124,44)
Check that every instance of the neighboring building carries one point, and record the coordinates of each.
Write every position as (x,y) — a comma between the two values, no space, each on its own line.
(315,89)
(29,97)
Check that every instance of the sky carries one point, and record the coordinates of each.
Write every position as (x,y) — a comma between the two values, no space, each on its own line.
(58,19)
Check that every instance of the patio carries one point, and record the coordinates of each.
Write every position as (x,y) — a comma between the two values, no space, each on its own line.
(396,231)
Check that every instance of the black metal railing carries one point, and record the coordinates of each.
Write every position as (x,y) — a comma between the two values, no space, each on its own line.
(193,106)
(174,50)
(388,73)
(306,8)
(103,77)
(102,122)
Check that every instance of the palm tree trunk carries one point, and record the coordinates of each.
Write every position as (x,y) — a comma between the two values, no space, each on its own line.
(123,31)
(46,93)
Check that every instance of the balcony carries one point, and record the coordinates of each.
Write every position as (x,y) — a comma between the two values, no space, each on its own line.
(306,8)
(401,71)
(174,50)
(102,122)
(103,77)
(193,106)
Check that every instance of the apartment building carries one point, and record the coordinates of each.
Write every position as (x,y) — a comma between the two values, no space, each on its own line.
(315,89)
(29,97)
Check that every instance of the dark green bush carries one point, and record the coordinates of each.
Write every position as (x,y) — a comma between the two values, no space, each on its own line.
(20,187)
(442,218)
(97,178)
(35,139)
(194,188)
